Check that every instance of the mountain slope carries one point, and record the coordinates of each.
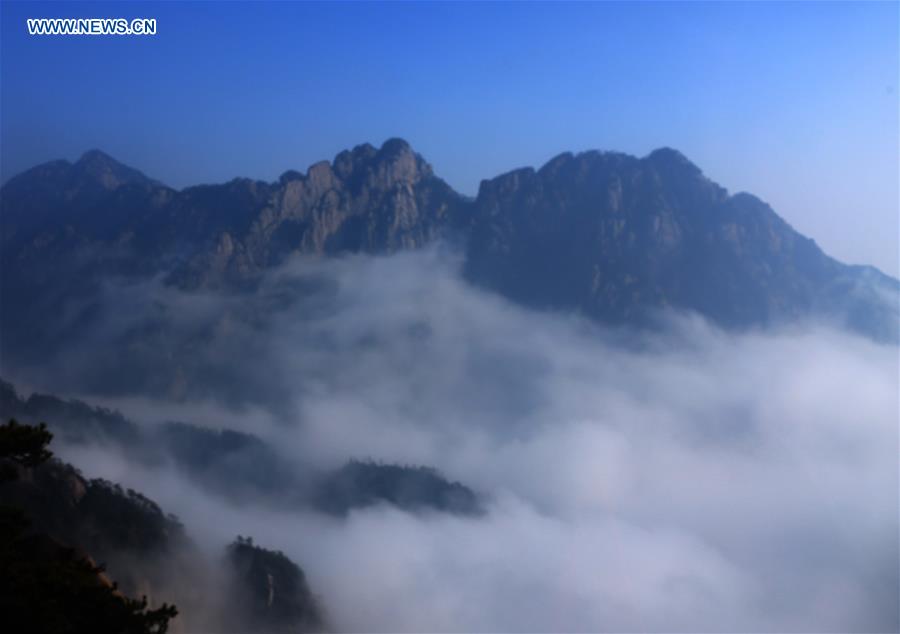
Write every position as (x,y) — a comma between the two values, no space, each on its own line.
(618,238)
(55,524)
(613,236)
(242,467)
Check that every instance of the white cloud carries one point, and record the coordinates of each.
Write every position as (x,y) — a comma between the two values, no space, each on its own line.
(692,480)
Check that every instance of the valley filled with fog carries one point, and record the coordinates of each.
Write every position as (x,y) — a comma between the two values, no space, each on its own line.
(673,478)
(449,317)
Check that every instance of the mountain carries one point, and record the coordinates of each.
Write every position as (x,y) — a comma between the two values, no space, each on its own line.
(73,421)
(360,484)
(270,592)
(54,522)
(241,467)
(368,199)
(55,525)
(615,237)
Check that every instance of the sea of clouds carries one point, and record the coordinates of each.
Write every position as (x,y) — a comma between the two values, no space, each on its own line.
(685,479)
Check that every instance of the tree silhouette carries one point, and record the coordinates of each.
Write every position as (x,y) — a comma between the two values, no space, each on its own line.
(46,586)
(22,445)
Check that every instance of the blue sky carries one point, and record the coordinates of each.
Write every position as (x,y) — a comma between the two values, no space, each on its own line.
(795,102)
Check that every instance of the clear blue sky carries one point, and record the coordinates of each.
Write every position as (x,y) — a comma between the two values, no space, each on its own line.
(797,102)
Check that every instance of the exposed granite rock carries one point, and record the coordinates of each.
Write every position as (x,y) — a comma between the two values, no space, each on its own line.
(367,200)
(613,236)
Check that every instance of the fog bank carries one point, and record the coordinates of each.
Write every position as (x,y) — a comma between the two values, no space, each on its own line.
(682,480)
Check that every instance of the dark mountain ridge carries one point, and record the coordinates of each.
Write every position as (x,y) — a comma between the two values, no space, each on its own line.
(616,237)
(612,236)
(241,467)
(56,524)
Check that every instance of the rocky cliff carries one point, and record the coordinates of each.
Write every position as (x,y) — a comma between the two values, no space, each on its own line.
(615,237)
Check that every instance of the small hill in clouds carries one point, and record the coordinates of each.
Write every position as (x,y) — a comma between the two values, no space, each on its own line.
(241,467)
(360,484)
(271,593)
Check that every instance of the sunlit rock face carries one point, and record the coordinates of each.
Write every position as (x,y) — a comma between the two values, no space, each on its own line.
(367,200)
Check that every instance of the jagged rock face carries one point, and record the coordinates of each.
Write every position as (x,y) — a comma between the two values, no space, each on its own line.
(101,216)
(616,237)
(367,200)
(612,236)
(65,228)
(39,203)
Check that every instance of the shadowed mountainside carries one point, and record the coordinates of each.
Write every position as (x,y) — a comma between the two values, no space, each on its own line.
(242,467)
(618,237)
(612,236)
(270,592)
(56,524)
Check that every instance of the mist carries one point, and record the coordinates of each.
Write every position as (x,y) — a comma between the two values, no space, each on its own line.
(681,479)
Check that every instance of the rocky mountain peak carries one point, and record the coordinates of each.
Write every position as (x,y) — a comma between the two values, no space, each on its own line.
(96,156)
(557,162)
(106,171)
(290,175)
(506,184)
(395,147)
(393,163)
(668,155)
(397,162)
(672,162)
(610,235)
(320,176)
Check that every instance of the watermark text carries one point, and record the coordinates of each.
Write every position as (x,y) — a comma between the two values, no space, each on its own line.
(91,26)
